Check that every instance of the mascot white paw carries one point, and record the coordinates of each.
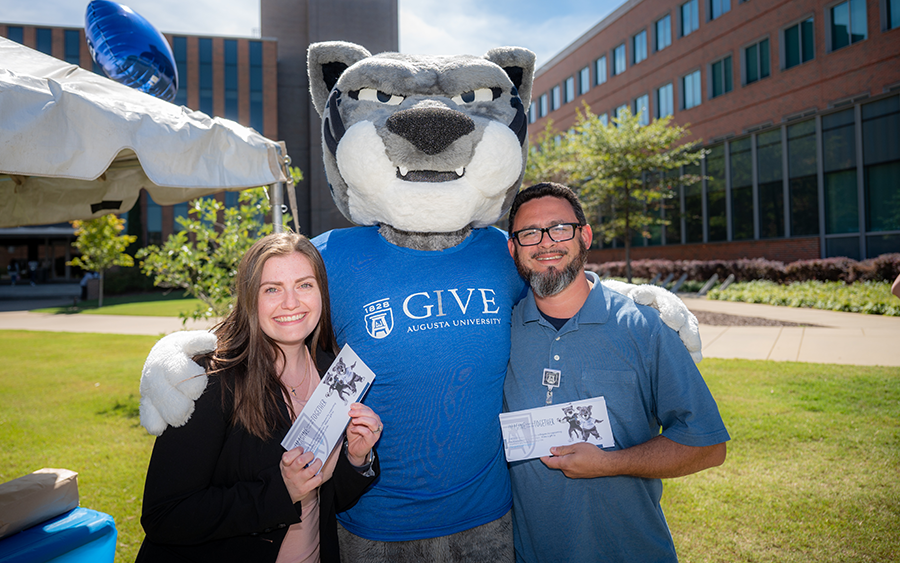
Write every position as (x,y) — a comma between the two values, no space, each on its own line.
(171,381)
(672,311)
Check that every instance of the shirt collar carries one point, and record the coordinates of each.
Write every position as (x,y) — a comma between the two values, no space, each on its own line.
(595,309)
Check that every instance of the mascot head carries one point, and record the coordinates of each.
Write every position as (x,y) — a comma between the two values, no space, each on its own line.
(422,144)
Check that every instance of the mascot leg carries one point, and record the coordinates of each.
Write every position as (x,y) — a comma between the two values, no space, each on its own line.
(489,543)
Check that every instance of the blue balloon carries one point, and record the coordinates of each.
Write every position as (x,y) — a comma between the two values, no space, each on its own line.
(130,50)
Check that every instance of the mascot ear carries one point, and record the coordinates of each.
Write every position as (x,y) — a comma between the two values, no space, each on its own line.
(326,62)
(518,63)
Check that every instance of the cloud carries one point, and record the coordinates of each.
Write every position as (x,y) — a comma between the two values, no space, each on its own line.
(473,27)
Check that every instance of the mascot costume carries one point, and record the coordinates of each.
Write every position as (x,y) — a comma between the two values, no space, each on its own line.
(424,153)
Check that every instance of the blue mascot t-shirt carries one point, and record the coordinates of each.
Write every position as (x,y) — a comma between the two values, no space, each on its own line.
(434,327)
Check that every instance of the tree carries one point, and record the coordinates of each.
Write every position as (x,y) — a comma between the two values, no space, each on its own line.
(621,169)
(203,257)
(101,246)
(550,158)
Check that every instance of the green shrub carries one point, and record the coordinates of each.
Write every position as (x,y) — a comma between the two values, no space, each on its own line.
(861,297)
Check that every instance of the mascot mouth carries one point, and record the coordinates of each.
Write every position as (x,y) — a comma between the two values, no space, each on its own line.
(433,176)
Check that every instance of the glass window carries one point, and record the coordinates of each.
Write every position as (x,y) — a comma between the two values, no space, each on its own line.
(642,109)
(73,46)
(179,49)
(756,61)
(693,204)
(206,76)
(718,7)
(604,119)
(619,60)
(570,89)
(44,38)
(179,210)
(620,111)
(664,32)
(584,80)
(231,79)
(741,189)
(892,15)
(154,222)
(799,44)
(639,46)
(664,101)
(691,90)
(721,77)
(554,98)
(881,158)
(715,194)
(770,187)
(841,199)
(690,18)
(545,109)
(848,23)
(842,246)
(256,86)
(803,181)
(231,199)
(600,70)
(532,112)
(672,207)
(15,33)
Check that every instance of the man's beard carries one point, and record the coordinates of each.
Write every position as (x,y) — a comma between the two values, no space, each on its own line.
(553,281)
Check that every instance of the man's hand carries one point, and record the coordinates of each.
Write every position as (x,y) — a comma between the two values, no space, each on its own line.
(657,458)
(581,461)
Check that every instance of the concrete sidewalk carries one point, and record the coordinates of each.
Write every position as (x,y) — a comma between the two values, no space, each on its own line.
(839,338)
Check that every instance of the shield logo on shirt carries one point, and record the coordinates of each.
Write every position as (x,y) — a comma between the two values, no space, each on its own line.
(379,318)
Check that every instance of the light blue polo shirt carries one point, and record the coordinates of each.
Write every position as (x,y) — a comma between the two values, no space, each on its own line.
(621,351)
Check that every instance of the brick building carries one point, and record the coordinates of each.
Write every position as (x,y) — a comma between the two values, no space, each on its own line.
(798,102)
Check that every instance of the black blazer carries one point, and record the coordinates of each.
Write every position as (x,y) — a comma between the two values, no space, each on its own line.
(214,492)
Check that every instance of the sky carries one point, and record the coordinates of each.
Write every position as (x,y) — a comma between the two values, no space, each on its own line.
(435,27)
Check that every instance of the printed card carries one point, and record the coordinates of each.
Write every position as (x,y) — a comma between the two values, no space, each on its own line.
(530,434)
(322,421)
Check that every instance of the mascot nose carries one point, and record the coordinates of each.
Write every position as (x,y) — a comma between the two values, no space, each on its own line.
(431,130)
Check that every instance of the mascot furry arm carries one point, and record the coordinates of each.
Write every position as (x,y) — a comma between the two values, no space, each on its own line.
(427,148)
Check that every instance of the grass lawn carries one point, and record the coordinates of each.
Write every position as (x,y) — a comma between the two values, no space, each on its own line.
(142,305)
(811,473)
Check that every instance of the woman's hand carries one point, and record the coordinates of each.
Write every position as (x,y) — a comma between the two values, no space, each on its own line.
(298,469)
(362,433)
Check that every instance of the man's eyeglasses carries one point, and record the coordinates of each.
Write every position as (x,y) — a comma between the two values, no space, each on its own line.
(557,233)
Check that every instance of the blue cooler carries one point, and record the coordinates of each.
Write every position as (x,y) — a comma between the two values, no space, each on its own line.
(80,535)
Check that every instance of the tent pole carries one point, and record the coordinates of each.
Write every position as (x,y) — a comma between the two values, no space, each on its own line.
(277,199)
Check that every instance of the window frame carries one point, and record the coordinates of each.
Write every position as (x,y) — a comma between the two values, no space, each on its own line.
(634,47)
(569,91)
(584,80)
(656,47)
(695,18)
(710,94)
(829,24)
(634,108)
(683,91)
(756,43)
(710,13)
(659,105)
(555,97)
(615,59)
(601,77)
(783,46)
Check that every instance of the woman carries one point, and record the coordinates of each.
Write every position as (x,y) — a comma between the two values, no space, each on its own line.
(221,487)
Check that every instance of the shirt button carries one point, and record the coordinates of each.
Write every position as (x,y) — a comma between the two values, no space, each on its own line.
(556,357)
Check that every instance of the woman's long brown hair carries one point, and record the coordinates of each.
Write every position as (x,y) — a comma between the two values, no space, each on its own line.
(245,356)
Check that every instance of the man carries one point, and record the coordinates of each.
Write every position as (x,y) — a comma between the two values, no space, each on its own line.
(586,503)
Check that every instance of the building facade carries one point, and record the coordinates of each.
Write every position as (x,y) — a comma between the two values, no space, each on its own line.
(797,101)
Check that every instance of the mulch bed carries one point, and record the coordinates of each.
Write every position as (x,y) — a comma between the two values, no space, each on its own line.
(722,319)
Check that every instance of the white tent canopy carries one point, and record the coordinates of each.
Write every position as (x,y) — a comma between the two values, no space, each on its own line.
(75,145)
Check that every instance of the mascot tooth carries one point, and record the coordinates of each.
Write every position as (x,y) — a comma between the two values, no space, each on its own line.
(424,153)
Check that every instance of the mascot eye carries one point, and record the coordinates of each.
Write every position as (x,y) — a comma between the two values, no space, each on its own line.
(373,95)
(480,95)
